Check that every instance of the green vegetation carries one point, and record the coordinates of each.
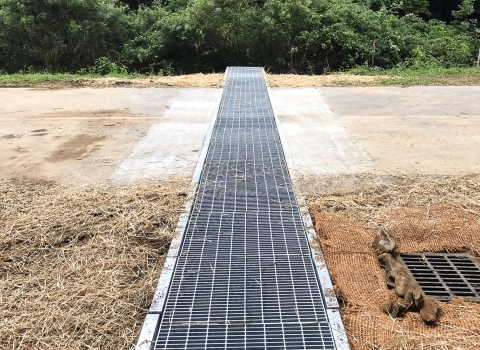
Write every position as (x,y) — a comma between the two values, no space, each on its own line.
(32,79)
(396,76)
(422,76)
(109,37)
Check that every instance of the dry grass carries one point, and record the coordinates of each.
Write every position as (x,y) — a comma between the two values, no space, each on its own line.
(79,265)
(425,213)
(214,80)
(294,80)
(367,197)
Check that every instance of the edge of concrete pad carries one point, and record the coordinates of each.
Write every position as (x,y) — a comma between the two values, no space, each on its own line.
(331,301)
(150,325)
(338,330)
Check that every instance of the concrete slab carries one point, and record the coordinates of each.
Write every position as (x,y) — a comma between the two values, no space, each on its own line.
(172,146)
(397,101)
(382,130)
(428,130)
(84,134)
(316,139)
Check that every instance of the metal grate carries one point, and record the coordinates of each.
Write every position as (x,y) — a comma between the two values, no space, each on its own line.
(250,336)
(445,276)
(245,278)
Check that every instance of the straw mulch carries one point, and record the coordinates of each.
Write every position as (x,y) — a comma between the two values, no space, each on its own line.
(79,265)
(425,214)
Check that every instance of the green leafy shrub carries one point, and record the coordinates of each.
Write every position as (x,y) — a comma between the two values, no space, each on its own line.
(184,36)
(104,66)
(59,35)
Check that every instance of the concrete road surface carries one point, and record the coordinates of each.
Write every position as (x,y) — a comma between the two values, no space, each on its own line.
(91,135)
(125,134)
(428,130)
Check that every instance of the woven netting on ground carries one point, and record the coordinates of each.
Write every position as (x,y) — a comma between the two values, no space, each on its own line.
(360,282)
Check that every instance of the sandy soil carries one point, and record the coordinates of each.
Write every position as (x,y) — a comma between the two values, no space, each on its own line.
(293,80)
(66,143)
(214,80)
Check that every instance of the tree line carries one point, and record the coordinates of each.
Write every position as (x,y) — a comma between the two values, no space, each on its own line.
(186,36)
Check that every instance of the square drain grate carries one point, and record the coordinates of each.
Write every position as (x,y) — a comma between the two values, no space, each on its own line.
(445,276)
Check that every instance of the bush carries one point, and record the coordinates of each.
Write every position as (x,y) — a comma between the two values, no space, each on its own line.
(103,66)
(186,36)
(443,46)
(59,35)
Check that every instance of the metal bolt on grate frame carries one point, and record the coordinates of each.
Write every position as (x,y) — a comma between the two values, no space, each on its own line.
(244,276)
(445,276)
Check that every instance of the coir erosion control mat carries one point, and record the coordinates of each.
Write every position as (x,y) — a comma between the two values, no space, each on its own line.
(360,281)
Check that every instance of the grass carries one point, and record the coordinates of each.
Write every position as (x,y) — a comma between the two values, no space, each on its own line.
(36,79)
(360,76)
(422,76)
(20,79)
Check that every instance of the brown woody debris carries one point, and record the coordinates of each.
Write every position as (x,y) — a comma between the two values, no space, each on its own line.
(429,311)
(384,242)
(409,295)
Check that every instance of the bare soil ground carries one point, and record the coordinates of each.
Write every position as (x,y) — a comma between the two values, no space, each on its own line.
(293,80)
(79,265)
(81,144)
(214,80)
(426,214)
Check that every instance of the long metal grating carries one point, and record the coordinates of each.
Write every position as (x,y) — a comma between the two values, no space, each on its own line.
(245,278)
(445,276)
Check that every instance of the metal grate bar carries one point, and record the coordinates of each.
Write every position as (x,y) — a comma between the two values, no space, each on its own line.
(244,278)
(445,276)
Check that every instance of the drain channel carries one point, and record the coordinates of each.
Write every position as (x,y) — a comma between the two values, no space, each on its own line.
(445,276)
(244,277)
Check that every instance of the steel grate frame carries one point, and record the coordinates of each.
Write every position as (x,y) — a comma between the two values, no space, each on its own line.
(445,276)
(244,277)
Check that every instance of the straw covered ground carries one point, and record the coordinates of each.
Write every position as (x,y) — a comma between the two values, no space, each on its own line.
(79,265)
(436,214)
